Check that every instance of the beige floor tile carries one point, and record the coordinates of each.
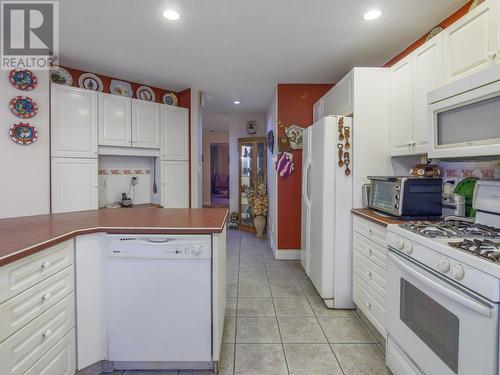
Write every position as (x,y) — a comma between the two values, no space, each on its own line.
(232,289)
(311,359)
(151,372)
(257,331)
(309,288)
(277,265)
(281,275)
(252,267)
(254,359)
(322,311)
(254,290)
(253,277)
(229,333)
(360,359)
(300,273)
(292,307)
(231,277)
(231,307)
(255,307)
(286,289)
(344,330)
(301,331)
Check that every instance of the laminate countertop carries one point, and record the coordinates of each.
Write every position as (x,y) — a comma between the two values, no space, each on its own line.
(375,217)
(23,236)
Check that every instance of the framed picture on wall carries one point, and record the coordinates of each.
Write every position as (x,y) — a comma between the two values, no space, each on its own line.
(251,127)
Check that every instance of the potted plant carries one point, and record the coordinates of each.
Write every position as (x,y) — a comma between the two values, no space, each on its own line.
(257,198)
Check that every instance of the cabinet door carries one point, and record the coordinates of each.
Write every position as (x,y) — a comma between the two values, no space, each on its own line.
(401,106)
(339,100)
(318,110)
(115,123)
(427,76)
(175,184)
(145,124)
(74,185)
(174,133)
(73,122)
(470,44)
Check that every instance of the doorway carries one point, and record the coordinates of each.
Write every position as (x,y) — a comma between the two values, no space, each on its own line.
(219,174)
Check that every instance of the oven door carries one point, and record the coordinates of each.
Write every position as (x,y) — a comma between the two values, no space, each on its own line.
(442,328)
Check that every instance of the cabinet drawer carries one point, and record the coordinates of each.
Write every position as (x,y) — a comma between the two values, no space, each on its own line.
(60,360)
(371,250)
(18,276)
(23,308)
(24,348)
(374,232)
(374,311)
(370,273)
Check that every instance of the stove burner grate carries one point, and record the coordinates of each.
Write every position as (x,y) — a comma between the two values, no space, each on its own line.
(487,249)
(450,229)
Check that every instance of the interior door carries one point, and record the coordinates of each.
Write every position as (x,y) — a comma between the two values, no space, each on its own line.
(306,203)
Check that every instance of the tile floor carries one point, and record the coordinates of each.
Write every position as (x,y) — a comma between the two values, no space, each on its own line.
(276,324)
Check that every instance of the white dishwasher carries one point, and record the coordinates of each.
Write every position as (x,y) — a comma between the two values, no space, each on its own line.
(158,301)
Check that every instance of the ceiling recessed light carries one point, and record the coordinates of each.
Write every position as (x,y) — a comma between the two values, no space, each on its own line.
(236,102)
(171,15)
(372,15)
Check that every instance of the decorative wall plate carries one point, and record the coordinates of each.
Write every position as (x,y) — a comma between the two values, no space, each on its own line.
(145,93)
(170,99)
(23,133)
(23,107)
(61,76)
(120,88)
(251,127)
(435,31)
(23,79)
(90,81)
(294,133)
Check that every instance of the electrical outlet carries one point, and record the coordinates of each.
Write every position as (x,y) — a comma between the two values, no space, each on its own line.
(134,181)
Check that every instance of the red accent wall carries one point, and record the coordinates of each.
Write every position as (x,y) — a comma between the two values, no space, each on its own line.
(295,102)
(447,22)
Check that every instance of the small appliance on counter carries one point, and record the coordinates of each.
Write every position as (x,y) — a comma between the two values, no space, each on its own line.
(407,197)
(453,205)
(126,201)
(365,190)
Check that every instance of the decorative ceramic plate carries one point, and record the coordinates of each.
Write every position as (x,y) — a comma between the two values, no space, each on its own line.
(90,81)
(170,99)
(23,107)
(120,88)
(435,31)
(61,76)
(23,133)
(23,79)
(145,93)
(294,133)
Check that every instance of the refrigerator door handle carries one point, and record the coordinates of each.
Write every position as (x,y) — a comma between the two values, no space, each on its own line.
(308,184)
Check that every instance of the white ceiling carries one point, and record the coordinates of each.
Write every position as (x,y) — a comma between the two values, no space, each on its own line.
(235,49)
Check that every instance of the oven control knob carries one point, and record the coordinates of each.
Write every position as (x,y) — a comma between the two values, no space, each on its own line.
(443,265)
(399,244)
(458,272)
(408,248)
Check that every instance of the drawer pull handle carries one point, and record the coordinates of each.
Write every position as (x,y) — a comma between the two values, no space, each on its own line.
(370,251)
(46,296)
(45,264)
(370,231)
(47,334)
(368,305)
(369,274)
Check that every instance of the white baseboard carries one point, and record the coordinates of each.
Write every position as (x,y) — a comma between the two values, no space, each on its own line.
(286,254)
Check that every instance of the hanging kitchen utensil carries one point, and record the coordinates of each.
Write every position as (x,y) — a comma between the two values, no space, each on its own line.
(155,188)
(340,146)
(347,133)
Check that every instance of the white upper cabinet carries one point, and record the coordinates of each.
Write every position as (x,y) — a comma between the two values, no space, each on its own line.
(401,95)
(74,184)
(175,184)
(73,122)
(472,43)
(339,100)
(427,76)
(319,110)
(145,124)
(115,123)
(174,133)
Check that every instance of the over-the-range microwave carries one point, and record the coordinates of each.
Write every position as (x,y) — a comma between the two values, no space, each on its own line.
(464,117)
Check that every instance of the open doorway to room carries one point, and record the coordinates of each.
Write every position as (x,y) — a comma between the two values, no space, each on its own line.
(219,174)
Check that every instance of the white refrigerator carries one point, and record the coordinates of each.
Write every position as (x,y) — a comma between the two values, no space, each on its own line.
(327,196)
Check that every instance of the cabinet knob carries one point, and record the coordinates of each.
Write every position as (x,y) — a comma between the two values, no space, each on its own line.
(46,296)
(47,334)
(368,305)
(45,264)
(369,274)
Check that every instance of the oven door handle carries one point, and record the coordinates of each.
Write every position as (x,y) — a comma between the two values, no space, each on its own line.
(477,307)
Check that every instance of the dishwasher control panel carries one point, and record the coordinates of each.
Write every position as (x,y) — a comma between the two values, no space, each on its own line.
(159,246)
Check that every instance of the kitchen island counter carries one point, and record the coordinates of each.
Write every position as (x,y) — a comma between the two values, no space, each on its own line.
(23,236)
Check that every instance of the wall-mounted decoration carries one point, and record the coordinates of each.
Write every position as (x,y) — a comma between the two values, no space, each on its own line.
(23,79)
(285,165)
(23,133)
(435,31)
(61,76)
(145,93)
(294,133)
(344,146)
(251,127)
(121,88)
(23,107)
(170,99)
(90,81)
(270,141)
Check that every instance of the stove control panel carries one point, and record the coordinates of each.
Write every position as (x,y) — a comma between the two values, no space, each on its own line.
(444,265)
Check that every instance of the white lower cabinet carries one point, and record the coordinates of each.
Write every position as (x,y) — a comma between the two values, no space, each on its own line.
(74,184)
(369,271)
(175,184)
(60,360)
